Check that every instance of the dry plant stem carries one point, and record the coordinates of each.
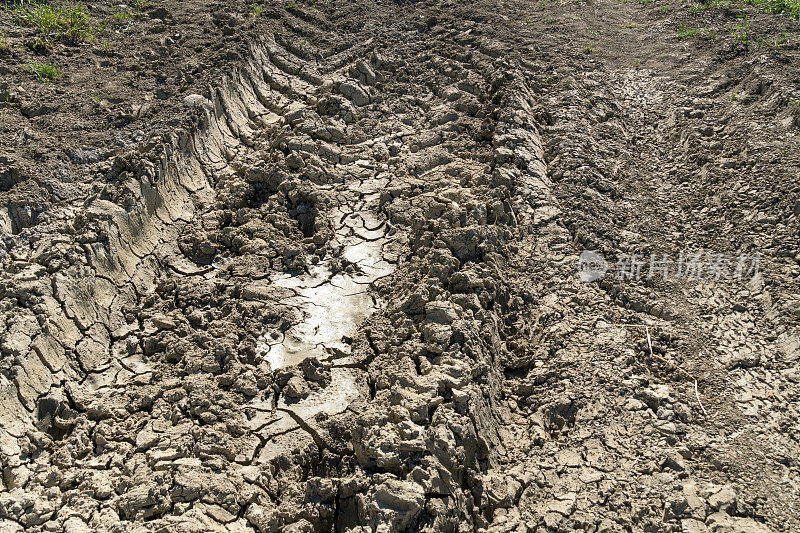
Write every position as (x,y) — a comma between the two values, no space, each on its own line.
(667,361)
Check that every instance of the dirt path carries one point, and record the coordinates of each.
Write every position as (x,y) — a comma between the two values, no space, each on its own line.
(342,291)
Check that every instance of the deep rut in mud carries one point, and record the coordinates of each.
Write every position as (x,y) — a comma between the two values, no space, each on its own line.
(233,288)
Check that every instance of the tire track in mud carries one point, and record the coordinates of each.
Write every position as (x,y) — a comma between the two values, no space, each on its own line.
(334,192)
(624,148)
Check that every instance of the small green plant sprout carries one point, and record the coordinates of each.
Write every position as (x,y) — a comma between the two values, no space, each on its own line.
(741,32)
(685,32)
(44,71)
(258,9)
(789,8)
(784,39)
(590,48)
(4,44)
(795,106)
(122,19)
(706,5)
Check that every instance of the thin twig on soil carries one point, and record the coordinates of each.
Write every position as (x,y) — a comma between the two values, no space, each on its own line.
(667,361)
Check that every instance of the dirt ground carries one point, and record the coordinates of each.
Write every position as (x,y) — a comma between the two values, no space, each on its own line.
(388,266)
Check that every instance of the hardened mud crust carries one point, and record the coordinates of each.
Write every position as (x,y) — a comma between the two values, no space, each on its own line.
(335,288)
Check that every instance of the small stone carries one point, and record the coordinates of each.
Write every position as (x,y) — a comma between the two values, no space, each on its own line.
(196,100)
(673,461)
(551,520)
(545,214)
(657,395)
(295,161)
(696,506)
(440,313)
(301,526)
(666,428)
(748,525)
(720,521)
(75,525)
(381,151)
(682,412)
(634,405)
(675,507)
(297,388)
(568,458)
(744,358)
(691,525)
(163,322)
(564,506)
(451,94)
(355,93)
(723,500)
(607,526)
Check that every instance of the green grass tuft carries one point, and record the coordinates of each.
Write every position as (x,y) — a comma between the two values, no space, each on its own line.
(122,19)
(697,8)
(44,71)
(790,8)
(4,44)
(57,22)
(685,32)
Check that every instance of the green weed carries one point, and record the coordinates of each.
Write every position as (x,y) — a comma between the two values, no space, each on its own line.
(44,71)
(709,5)
(65,22)
(122,20)
(685,32)
(795,105)
(122,16)
(741,32)
(789,8)
(784,39)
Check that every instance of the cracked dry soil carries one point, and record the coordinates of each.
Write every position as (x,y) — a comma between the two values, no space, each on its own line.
(335,288)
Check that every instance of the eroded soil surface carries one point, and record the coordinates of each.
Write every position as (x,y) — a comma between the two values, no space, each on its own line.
(313,266)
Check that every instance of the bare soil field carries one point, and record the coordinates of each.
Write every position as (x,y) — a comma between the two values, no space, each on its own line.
(374,266)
